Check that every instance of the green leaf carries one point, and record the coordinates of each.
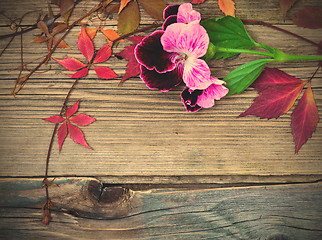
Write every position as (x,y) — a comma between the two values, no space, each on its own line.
(242,77)
(228,32)
(154,8)
(129,18)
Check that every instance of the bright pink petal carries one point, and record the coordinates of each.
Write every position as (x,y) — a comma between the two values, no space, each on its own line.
(55,119)
(150,54)
(214,92)
(85,45)
(62,134)
(104,53)
(72,110)
(79,74)
(161,81)
(196,74)
(71,64)
(82,119)
(105,72)
(77,135)
(187,15)
(190,39)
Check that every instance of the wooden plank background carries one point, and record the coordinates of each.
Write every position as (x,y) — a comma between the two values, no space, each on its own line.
(178,175)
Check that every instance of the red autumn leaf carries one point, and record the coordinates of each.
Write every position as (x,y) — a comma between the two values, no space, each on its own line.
(305,118)
(227,7)
(197,1)
(82,119)
(271,77)
(86,46)
(71,64)
(309,17)
(136,39)
(285,5)
(75,133)
(103,54)
(274,101)
(132,67)
(105,72)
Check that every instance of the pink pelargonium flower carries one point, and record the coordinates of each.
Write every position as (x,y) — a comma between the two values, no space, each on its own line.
(197,99)
(180,14)
(169,57)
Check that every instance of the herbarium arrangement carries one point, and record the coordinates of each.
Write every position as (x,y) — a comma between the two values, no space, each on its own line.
(176,53)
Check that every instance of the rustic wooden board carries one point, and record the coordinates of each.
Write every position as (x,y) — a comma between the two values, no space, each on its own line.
(147,135)
(290,211)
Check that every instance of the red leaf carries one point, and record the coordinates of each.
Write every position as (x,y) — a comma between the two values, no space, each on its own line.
(274,101)
(55,119)
(227,7)
(71,64)
(272,77)
(77,135)
(309,17)
(132,67)
(104,53)
(91,32)
(285,5)
(136,39)
(72,110)
(85,45)
(105,72)
(197,1)
(62,134)
(305,118)
(82,119)
(80,73)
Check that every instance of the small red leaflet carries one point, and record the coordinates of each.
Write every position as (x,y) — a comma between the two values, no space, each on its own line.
(85,45)
(305,118)
(67,127)
(309,17)
(132,67)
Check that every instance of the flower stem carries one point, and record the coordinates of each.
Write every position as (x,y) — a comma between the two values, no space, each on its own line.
(234,50)
(279,56)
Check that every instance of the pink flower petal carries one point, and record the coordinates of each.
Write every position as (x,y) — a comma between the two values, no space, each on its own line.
(214,92)
(150,53)
(62,134)
(71,64)
(191,39)
(196,74)
(55,119)
(161,81)
(81,73)
(77,135)
(82,119)
(104,53)
(105,72)
(72,110)
(187,15)
(85,45)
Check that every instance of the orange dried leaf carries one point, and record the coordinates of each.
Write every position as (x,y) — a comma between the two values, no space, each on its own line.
(91,32)
(43,27)
(59,29)
(62,44)
(227,7)
(39,39)
(110,35)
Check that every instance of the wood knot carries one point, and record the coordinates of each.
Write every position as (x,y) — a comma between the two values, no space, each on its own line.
(107,195)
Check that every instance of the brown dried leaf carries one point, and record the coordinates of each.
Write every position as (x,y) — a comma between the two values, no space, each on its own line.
(43,27)
(129,18)
(154,8)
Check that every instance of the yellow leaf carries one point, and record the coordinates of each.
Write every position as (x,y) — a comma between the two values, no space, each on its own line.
(227,7)
(129,18)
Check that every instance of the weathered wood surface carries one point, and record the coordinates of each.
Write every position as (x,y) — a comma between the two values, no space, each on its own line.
(87,210)
(147,134)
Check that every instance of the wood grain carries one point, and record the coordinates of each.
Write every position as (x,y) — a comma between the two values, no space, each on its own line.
(291,211)
(147,135)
